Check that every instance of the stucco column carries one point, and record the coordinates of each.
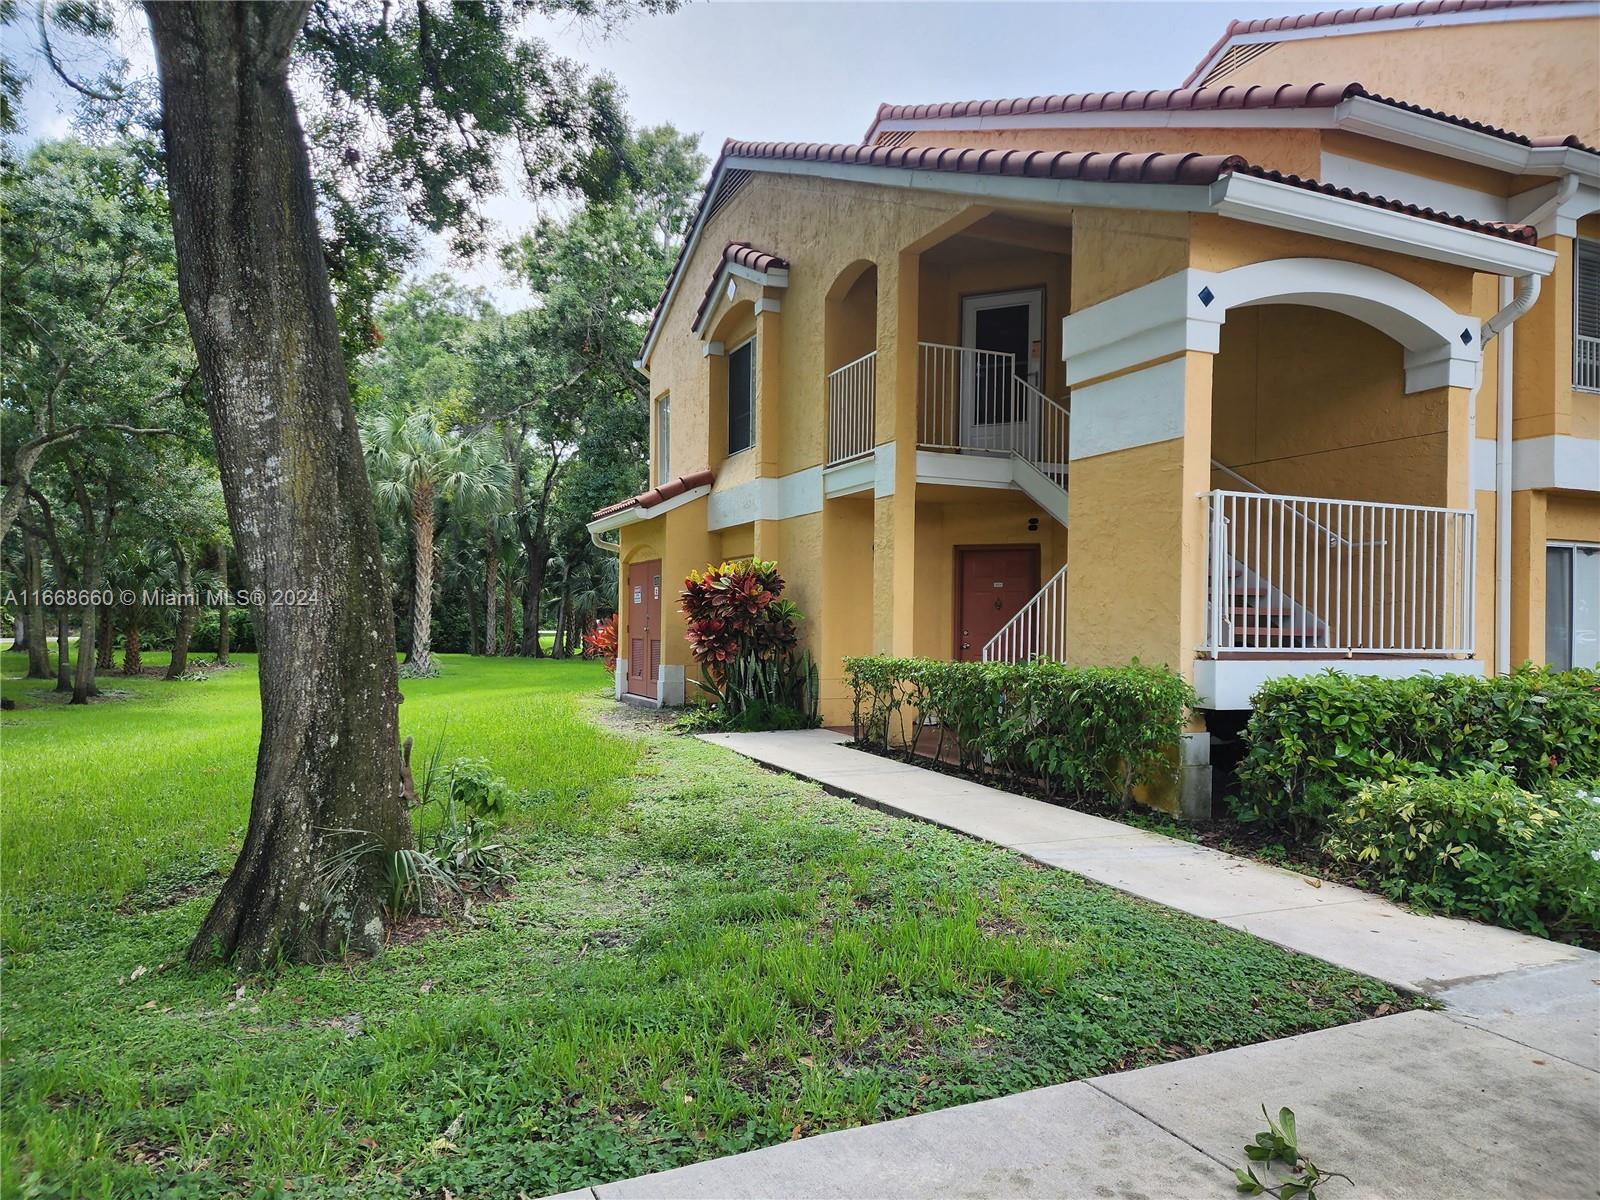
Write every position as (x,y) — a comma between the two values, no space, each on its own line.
(895,496)
(1141,454)
(686,545)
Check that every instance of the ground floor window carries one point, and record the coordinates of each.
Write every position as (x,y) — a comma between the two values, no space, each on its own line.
(1572,605)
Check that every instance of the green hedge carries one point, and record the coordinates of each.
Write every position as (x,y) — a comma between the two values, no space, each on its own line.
(1479,846)
(1313,742)
(1077,730)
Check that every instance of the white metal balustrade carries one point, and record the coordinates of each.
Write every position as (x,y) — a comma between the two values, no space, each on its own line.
(852,408)
(1586,362)
(974,400)
(1037,630)
(1299,574)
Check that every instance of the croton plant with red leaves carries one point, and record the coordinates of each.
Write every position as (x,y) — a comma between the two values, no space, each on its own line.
(735,608)
(602,642)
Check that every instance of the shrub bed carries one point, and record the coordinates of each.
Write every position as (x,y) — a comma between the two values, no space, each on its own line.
(1480,846)
(1076,730)
(1473,796)
(1313,742)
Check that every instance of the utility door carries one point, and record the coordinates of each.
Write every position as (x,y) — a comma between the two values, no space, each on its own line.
(992,583)
(644,627)
(1004,331)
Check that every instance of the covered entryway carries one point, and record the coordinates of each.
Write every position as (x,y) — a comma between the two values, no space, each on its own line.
(644,627)
(992,583)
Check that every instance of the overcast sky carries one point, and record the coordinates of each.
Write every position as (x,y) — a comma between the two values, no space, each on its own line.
(817,71)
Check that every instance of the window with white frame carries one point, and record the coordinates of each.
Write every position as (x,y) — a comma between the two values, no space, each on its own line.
(664,438)
(1586,315)
(742,396)
(1572,605)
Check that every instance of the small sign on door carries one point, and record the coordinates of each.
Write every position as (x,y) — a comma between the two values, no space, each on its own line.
(638,594)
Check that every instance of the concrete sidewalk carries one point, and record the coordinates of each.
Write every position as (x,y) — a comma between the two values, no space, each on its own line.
(1497,1095)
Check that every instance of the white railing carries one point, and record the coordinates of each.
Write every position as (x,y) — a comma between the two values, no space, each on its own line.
(1586,362)
(1037,630)
(852,408)
(974,400)
(1292,574)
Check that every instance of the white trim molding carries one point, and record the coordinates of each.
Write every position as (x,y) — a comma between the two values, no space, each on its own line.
(1228,683)
(1141,408)
(1185,311)
(766,498)
(1556,461)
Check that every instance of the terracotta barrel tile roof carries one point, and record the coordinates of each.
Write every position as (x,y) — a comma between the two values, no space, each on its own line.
(1371,12)
(1283,95)
(665,491)
(741,254)
(1223,98)
(1091,166)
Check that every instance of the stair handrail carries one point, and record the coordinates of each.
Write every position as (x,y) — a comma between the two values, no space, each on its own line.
(1050,634)
(1338,539)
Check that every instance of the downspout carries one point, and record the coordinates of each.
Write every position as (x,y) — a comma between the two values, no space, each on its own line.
(1512,306)
(609,547)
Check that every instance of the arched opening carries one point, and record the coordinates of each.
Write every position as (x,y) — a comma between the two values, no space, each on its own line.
(850,335)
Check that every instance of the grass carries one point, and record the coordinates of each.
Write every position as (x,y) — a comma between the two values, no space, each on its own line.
(699,958)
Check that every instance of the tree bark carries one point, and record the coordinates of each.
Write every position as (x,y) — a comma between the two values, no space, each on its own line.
(421,656)
(184,629)
(255,289)
(96,540)
(132,654)
(224,611)
(508,642)
(491,584)
(38,639)
(558,648)
(103,660)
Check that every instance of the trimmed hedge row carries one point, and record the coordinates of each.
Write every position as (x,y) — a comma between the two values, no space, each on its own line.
(1076,730)
(1313,742)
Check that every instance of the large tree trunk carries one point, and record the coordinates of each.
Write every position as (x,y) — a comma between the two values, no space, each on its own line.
(508,641)
(38,638)
(225,611)
(96,540)
(421,656)
(103,660)
(255,289)
(185,626)
(559,647)
(491,584)
(132,654)
(63,649)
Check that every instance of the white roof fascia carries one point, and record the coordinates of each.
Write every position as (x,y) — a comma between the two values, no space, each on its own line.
(635,514)
(1282,206)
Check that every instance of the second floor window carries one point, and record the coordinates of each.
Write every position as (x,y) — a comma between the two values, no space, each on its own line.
(663,439)
(1586,315)
(742,397)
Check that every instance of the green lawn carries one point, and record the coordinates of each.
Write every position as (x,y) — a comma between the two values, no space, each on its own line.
(699,958)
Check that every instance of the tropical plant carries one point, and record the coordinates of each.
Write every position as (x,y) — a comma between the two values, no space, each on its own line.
(416,464)
(744,636)
(601,642)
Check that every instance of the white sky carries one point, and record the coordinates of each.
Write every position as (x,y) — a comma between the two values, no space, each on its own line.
(817,71)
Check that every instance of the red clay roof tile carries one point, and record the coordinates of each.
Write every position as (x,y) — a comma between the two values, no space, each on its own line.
(741,254)
(657,494)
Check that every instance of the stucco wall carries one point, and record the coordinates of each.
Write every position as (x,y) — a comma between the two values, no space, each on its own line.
(1536,77)
(1311,403)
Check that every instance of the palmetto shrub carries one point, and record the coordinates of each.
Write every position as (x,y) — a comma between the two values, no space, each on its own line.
(745,636)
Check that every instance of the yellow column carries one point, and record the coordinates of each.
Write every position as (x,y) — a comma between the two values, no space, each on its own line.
(895,516)
(1137,586)
(1528,536)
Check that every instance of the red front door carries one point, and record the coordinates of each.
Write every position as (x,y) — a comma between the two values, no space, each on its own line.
(992,583)
(644,627)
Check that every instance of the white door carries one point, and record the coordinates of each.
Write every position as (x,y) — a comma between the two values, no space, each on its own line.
(1001,334)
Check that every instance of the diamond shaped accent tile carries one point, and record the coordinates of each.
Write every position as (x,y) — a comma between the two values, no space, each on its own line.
(1466,337)
(1207,296)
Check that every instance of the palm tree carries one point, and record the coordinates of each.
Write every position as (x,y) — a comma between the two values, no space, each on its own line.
(414,466)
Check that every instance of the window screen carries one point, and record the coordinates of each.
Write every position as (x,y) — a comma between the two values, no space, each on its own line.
(741,397)
(1572,606)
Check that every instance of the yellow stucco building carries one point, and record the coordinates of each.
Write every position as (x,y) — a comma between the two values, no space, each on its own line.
(1257,376)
